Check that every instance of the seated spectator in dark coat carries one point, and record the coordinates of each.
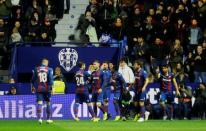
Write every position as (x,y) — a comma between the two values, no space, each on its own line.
(32,31)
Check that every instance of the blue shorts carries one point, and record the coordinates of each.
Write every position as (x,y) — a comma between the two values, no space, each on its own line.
(106,94)
(97,97)
(82,97)
(167,97)
(43,96)
(140,96)
(117,95)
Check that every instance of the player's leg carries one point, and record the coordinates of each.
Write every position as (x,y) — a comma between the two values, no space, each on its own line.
(47,97)
(39,107)
(116,105)
(142,107)
(76,106)
(163,105)
(100,105)
(136,106)
(170,100)
(94,103)
(89,105)
(106,97)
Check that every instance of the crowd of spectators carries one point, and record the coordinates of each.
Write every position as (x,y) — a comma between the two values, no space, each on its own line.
(157,32)
(27,21)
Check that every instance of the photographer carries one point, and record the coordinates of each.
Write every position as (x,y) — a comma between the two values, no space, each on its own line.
(185,102)
(199,107)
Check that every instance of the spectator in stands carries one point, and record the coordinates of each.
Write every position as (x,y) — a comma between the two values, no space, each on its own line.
(11,81)
(87,28)
(33,8)
(202,13)
(3,43)
(12,91)
(159,52)
(48,32)
(180,32)
(178,68)
(165,28)
(176,54)
(149,29)
(5,9)
(189,66)
(118,30)
(59,8)
(16,35)
(3,33)
(182,12)
(49,10)
(106,15)
(195,34)
(135,26)
(199,65)
(140,52)
(32,30)
(17,15)
(93,7)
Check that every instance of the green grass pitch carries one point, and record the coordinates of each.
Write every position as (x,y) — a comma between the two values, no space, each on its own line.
(60,125)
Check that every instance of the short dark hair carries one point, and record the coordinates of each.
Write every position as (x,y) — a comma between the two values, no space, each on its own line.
(122,60)
(139,63)
(80,64)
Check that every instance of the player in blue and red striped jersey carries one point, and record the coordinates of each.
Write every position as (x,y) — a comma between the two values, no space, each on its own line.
(140,84)
(117,85)
(82,91)
(106,86)
(43,76)
(166,96)
(97,93)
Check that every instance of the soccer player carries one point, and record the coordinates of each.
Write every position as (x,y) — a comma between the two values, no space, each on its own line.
(117,85)
(140,84)
(97,94)
(43,76)
(106,86)
(82,92)
(166,95)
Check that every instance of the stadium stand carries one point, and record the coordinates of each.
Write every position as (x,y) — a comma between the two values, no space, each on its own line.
(157,32)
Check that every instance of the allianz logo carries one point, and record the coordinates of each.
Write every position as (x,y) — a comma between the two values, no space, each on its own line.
(18,109)
(82,110)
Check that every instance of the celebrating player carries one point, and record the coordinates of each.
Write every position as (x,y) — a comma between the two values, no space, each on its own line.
(97,94)
(117,86)
(106,85)
(141,82)
(43,75)
(82,92)
(166,95)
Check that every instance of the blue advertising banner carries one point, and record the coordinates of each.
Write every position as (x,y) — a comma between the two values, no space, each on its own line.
(65,57)
(24,107)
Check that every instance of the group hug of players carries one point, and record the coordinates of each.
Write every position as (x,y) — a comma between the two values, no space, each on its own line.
(101,80)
